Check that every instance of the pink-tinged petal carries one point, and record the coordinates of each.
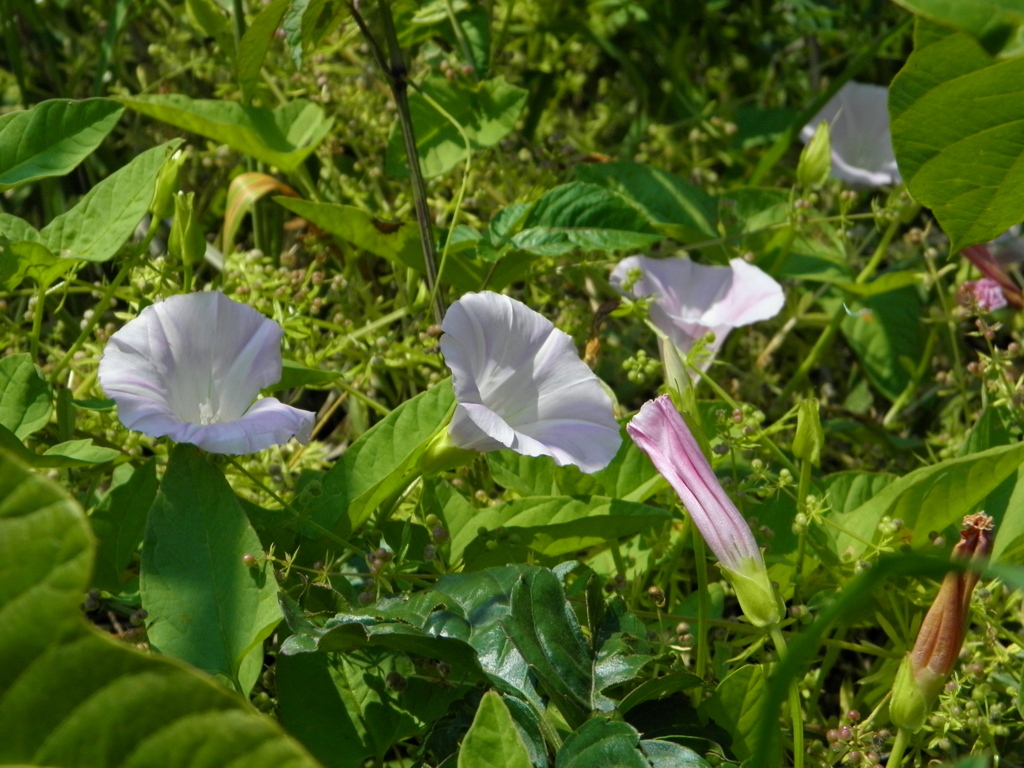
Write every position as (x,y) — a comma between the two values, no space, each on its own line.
(691,299)
(986,293)
(198,361)
(660,432)
(751,295)
(858,118)
(520,384)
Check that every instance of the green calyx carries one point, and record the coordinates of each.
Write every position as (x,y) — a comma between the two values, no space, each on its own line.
(760,603)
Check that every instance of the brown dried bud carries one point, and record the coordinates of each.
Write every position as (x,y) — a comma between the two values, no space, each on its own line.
(926,667)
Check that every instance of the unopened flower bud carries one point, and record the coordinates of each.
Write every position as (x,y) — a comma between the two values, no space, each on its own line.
(925,669)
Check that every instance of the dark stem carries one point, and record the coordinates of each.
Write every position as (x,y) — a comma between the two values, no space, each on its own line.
(393,66)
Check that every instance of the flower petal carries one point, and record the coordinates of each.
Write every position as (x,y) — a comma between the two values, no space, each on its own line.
(267,423)
(751,295)
(192,349)
(520,384)
(691,299)
(858,117)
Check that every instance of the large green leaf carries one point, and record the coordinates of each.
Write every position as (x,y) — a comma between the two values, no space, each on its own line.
(283,137)
(601,742)
(958,134)
(546,632)
(398,242)
(492,741)
(928,499)
(582,216)
(52,138)
(70,696)
(119,522)
(253,47)
(737,706)
(674,206)
(26,399)
(380,462)
(101,222)
(550,526)
(887,338)
(487,112)
(206,606)
(997,24)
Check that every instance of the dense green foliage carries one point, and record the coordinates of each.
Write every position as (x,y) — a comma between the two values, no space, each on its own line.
(356,601)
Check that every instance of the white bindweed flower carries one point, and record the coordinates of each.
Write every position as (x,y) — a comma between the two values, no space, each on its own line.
(691,299)
(520,384)
(189,368)
(858,118)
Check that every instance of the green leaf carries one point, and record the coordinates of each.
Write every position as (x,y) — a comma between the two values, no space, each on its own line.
(890,282)
(667,754)
(538,475)
(283,137)
(26,399)
(305,23)
(74,453)
(487,112)
(997,24)
(212,21)
(672,205)
(52,138)
(381,462)
(27,258)
(396,241)
(736,706)
(71,696)
(295,375)
(119,522)
(927,499)
(348,632)
(492,741)
(546,633)
(206,606)
(631,476)
(343,709)
(582,216)
(253,47)
(658,688)
(950,106)
(599,743)
(887,338)
(550,526)
(98,225)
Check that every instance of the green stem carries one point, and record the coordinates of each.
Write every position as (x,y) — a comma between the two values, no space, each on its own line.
(898,748)
(703,608)
(37,319)
(825,339)
(803,488)
(795,709)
